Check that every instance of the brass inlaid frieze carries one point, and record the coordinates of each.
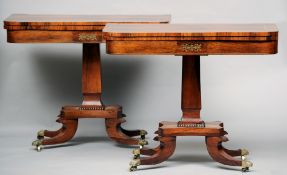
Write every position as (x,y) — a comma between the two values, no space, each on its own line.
(87,37)
(191,47)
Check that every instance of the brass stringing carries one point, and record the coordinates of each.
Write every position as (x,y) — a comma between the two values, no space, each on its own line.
(87,37)
(92,108)
(194,47)
(195,125)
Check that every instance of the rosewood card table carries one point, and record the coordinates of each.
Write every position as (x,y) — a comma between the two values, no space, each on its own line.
(86,29)
(191,41)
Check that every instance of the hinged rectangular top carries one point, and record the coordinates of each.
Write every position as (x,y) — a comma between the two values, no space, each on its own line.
(27,21)
(190,30)
(191,39)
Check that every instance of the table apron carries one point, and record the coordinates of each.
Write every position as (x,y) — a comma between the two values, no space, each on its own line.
(192,47)
(40,36)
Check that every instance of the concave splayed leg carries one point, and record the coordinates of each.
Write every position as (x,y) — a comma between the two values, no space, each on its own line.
(156,155)
(225,156)
(120,135)
(64,134)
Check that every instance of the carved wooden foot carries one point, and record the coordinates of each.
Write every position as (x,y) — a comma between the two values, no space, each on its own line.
(120,135)
(156,155)
(62,135)
(46,133)
(226,156)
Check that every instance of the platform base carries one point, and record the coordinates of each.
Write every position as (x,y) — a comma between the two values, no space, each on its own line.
(70,115)
(214,134)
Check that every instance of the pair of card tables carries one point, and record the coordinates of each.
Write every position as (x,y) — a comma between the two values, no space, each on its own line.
(148,35)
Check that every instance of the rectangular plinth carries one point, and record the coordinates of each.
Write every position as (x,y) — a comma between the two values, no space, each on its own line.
(210,129)
(90,111)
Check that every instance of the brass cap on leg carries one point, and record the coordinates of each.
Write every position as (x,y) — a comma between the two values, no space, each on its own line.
(143,133)
(40,134)
(244,152)
(143,142)
(136,152)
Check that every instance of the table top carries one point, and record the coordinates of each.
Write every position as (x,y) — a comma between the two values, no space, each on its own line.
(26,28)
(80,20)
(189,30)
(191,39)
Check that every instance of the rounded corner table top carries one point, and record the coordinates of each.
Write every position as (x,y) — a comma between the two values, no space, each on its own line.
(39,28)
(191,39)
(182,30)
(80,20)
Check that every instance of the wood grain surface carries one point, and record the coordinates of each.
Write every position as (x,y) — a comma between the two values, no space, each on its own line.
(195,30)
(191,39)
(25,28)
(27,21)
(177,47)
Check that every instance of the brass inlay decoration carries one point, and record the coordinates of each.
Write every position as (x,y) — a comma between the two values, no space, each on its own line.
(87,37)
(87,108)
(193,47)
(192,125)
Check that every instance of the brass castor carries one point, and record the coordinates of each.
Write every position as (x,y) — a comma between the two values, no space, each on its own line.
(246,165)
(142,143)
(40,135)
(136,153)
(38,145)
(142,140)
(143,133)
(134,164)
(136,160)
(245,169)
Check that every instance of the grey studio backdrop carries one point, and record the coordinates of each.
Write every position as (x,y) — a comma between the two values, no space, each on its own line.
(247,93)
